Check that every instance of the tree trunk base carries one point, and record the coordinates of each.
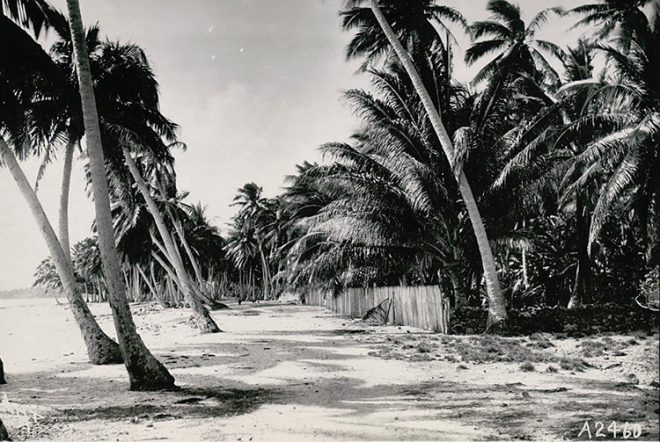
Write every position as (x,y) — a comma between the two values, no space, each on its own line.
(2,374)
(105,351)
(3,432)
(495,326)
(201,318)
(573,303)
(206,324)
(152,378)
(219,306)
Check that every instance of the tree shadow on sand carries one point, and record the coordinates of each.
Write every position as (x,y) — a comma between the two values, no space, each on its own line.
(182,403)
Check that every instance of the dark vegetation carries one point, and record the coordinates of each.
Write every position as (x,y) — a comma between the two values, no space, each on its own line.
(582,321)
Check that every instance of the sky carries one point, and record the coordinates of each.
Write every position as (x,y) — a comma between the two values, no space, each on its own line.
(255,86)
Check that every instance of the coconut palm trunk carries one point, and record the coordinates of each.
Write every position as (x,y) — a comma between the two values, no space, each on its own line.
(496,305)
(4,435)
(191,256)
(2,373)
(582,288)
(64,200)
(265,271)
(100,348)
(203,319)
(145,372)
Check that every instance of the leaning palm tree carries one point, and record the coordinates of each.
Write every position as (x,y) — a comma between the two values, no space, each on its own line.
(496,308)
(425,29)
(144,370)
(20,84)
(412,21)
(132,126)
(203,319)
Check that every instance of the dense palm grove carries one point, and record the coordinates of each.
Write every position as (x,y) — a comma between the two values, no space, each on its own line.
(535,184)
(559,146)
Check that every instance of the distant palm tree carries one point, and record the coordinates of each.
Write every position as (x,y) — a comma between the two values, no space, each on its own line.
(144,370)
(203,319)
(252,222)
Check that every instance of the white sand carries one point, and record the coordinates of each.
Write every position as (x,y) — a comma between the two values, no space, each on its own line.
(289,373)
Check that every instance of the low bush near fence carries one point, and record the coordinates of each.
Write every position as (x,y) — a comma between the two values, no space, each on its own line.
(590,319)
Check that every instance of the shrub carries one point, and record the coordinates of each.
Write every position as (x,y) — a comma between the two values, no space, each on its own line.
(527,366)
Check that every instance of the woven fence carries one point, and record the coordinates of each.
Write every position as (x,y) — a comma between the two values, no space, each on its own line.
(422,306)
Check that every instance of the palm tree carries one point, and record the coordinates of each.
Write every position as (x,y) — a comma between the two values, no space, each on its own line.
(413,22)
(46,276)
(88,267)
(205,323)
(145,371)
(622,18)
(385,210)
(242,250)
(38,14)
(496,309)
(100,348)
(255,216)
(519,53)
(35,14)
(132,124)
(627,156)
(15,117)
(537,150)
(366,221)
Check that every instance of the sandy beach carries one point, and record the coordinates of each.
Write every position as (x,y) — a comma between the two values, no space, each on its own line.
(287,372)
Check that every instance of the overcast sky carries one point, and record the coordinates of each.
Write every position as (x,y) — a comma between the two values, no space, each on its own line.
(254,84)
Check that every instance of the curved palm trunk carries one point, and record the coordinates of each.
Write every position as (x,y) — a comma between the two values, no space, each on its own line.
(199,288)
(145,372)
(64,200)
(496,305)
(4,435)
(100,348)
(203,319)
(189,252)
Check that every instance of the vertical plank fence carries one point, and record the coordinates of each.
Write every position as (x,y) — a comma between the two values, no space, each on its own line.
(423,306)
